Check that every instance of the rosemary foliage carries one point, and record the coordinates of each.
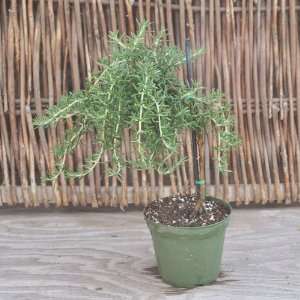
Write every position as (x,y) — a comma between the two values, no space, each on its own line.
(137,88)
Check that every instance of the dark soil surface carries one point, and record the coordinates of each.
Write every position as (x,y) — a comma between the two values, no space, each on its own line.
(178,211)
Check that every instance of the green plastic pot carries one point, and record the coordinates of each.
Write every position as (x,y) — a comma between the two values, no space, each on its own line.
(189,256)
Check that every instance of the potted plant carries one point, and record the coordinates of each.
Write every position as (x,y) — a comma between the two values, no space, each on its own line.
(137,89)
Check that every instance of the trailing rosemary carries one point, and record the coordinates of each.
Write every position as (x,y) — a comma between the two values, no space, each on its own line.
(137,88)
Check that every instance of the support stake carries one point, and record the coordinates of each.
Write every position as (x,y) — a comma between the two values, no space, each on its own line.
(198,182)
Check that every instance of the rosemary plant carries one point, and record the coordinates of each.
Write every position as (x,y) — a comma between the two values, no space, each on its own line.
(137,88)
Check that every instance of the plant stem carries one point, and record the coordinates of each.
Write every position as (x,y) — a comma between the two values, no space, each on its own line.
(200,201)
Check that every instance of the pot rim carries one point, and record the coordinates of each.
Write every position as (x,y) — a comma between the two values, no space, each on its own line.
(227,205)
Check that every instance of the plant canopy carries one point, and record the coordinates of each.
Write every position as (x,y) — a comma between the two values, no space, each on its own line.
(137,88)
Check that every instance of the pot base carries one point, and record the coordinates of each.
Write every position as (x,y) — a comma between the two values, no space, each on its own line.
(189,256)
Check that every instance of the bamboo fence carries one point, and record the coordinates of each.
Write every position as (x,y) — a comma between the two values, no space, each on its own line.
(48,47)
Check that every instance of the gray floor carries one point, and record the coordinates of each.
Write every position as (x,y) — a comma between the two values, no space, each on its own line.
(88,255)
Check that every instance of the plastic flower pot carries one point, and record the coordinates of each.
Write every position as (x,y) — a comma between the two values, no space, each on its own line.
(189,256)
